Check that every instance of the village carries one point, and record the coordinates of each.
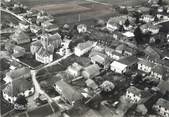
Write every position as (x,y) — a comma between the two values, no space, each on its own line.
(111,68)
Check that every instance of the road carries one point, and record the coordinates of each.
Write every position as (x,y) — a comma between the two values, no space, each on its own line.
(17,16)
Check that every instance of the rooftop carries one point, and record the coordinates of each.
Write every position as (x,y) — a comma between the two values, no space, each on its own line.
(68,91)
(129,60)
(18,72)
(85,45)
(163,103)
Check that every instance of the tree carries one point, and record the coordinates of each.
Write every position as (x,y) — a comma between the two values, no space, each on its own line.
(160,2)
(156,19)
(107,86)
(138,35)
(127,22)
(20,103)
(21,100)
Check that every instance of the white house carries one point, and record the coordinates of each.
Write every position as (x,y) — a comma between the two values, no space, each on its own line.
(162,107)
(159,72)
(23,26)
(145,66)
(74,69)
(133,94)
(118,67)
(18,87)
(83,48)
(18,82)
(124,65)
(82,28)
(147,18)
(111,26)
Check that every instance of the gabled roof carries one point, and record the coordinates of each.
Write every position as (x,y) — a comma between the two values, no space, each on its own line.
(163,103)
(18,86)
(91,83)
(68,91)
(122,18)
(19,49)
(45,52)
(75,66)
(92,69)
(134,90)
(146,63)
(98,58)
(92,113)
(159,69)
(128,60)
(20,35)
(152,52)
(85,45)
(18,72)
(124,47)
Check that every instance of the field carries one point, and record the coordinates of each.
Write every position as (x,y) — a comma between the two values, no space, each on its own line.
(32,3)
(62,8)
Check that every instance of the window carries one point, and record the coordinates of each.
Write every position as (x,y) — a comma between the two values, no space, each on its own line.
(9,100)
(30,92)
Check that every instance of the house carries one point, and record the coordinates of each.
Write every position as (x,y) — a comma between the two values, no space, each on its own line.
(18,51)
(111,26)
(92,113)
(74,69)
(125,50)
(128,34)
(163,86)
(23,72)
(83,48)
(91,71)
(133,94)
(159,72)
(113,22)
(91,84)
(67,92)
(99,58)
(46,24)
(152,52)
(19,86)
(20,37)
(116,56)
(124,65)
(154,29)
(160,10)
(23,25)
(145,65)
(162,107)
(43,49)
(147,18)
(35,29)
(136,95)
(118,36)
(109,51)
(51,28)
(82,28)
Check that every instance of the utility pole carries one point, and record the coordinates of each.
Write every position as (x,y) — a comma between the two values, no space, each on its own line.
(79,17)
